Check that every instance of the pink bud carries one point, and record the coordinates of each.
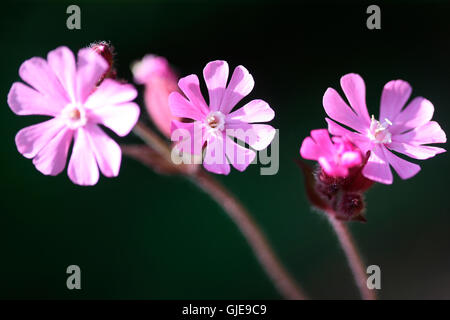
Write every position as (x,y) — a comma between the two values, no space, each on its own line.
(159,80)
(106,50)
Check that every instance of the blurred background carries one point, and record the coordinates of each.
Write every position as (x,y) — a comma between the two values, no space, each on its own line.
(147,236)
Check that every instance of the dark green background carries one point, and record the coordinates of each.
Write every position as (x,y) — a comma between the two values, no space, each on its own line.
(148,236)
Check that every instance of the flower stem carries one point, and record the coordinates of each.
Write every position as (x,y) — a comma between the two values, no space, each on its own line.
(254,236)
(271,264)
(353,257)
(152,139)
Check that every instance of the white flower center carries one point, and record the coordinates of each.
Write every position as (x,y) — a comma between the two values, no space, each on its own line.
(379,132)
(74,115)
(216,120)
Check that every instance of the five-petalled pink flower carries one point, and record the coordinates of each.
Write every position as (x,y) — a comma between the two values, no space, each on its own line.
(67,91)
(406,130)
(215,125)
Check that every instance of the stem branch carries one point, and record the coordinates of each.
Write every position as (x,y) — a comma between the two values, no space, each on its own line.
(254,236)
(235,210)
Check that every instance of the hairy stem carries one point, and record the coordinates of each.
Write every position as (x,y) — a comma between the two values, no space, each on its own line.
(152,139)
(271,264)
(353,257)
(261,248)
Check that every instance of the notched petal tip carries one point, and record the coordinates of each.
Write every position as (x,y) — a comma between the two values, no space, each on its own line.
(308,149)
(192,78)
(265,139)
(62,51)
(211,67)
(350,77)
(12,99)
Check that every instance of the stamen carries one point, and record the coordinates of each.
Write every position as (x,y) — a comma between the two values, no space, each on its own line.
(216,120)
(379,132)
(213,122)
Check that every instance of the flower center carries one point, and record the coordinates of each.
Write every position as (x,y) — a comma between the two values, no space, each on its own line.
(74,116)
(216,120)
(379,132)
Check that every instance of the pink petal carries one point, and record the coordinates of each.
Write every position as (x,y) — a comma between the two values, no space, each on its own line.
(338,110)
(350,159)
(62,62)
(37,73)
(189,137)
(323,141)
(361,141)
(24,100)
(377,167)
(120,118)
(32,139)
(216,76)
(241,84)
(90,68)
(355,90)
(237,155)
(258,136)
(416,152)
(254,111)
(183,108)
(417,113)
(83,169)
(331,168)
(107,152)
(51,159)
(215,160)
(191,88)
(310,150)
(326,165)
(395,95)
(405,169)
(336,129)
(110,92)
(428,133)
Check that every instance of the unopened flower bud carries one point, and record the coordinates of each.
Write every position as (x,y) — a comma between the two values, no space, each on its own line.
(327,186)
(106,50)
(350,207)
(159,80)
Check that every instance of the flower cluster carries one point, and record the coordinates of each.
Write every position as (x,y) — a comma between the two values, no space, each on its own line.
(365,153)
(80,96)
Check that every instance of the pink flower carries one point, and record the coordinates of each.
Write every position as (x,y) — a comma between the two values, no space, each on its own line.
(159,80)
(404,130)
(67,92)
(215,125)
(335,157)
